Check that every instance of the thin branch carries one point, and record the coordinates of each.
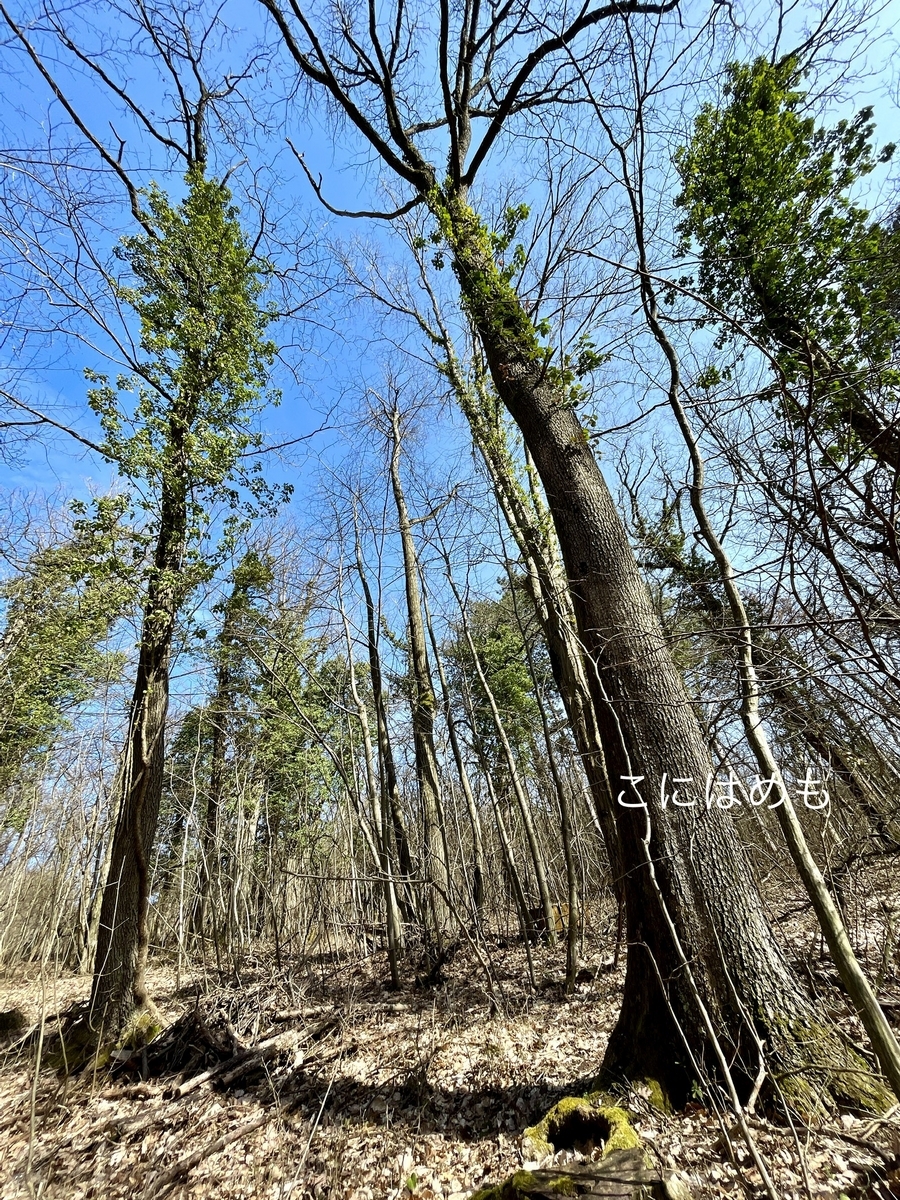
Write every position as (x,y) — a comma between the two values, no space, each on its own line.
(114,87)
(537,56)
(419,175)
(43,419)
(343,212)
(98,145)
(306,437)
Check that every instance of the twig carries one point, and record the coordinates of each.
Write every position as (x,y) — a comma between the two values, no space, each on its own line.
(757,1086)
(167,1179)
(883,1120)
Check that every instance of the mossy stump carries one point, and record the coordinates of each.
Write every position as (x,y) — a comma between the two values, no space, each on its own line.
(78,1046)
(586,1124)
(582,1123)
(621,1175)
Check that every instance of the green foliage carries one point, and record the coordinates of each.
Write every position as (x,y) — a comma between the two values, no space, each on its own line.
(278,701)
(487,293)
(492,303)
(302,697)
(513,216)
(241,621)
(196,289)
(665,547)
(501,648)
(501,239)
(230,715)
(688,592)
(58,613)
(766,196)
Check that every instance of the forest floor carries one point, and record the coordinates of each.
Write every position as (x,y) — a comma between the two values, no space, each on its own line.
(357,1092)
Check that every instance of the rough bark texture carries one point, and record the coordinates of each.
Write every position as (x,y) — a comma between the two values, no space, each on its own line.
(701,884)
(119,988)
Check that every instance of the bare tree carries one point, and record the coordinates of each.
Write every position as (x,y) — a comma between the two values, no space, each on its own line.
(702,957)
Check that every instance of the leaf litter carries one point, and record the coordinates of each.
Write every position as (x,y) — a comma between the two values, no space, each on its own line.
(314,1081)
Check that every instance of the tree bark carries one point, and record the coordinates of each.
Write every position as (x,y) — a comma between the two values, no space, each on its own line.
(119,987)
(222,704)
(695,921)
(423,709)
(373,796)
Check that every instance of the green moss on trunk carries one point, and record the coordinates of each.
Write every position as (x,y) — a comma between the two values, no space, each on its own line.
(815,1070)
(80,1046)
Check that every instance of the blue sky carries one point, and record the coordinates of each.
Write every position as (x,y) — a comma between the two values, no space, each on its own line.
(336,349)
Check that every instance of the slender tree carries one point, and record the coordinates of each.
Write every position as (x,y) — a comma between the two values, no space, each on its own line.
(196,292)
(423,706)
(233,677)
(392,806)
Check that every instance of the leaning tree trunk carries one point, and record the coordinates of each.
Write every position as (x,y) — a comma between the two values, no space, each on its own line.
(553,606)
(119,988)
(706,980)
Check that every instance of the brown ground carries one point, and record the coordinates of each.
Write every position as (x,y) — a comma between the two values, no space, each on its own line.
(369,1093)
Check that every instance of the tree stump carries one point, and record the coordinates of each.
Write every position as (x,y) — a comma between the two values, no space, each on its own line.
(621,1175)
(586,1124)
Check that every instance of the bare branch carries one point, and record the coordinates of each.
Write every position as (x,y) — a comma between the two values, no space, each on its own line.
(43,419)
(585,21)
(95,142)
(343,212)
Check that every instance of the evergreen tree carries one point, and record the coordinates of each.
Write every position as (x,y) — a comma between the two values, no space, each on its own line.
(785,251)
(196,292)
(58,613)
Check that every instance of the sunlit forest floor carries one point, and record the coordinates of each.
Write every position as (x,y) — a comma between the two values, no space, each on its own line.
(312,1079)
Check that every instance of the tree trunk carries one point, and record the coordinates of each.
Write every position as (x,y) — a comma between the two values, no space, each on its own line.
(209,842)
(537,544)
(103,858)
(119,988)
(423,710)
(391,910)
(702,957)
(392,810)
